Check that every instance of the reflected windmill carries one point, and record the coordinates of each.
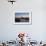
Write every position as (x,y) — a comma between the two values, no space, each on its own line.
(21,36)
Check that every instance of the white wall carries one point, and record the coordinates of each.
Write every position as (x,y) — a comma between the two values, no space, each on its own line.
(37,30)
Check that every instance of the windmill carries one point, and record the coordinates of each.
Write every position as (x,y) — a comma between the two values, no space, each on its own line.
(12,1)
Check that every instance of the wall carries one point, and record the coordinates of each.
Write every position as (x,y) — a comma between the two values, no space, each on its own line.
(9,31)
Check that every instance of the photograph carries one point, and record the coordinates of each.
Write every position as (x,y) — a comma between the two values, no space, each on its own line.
(23,17)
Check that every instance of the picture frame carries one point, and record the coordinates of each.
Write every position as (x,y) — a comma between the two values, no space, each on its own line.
(23,17)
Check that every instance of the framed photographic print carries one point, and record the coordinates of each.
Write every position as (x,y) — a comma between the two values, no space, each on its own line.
(23,17)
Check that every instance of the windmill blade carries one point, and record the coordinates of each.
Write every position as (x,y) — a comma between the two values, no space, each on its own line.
(12,1)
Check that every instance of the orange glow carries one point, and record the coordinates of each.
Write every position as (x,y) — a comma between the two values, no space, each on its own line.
(21,33)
